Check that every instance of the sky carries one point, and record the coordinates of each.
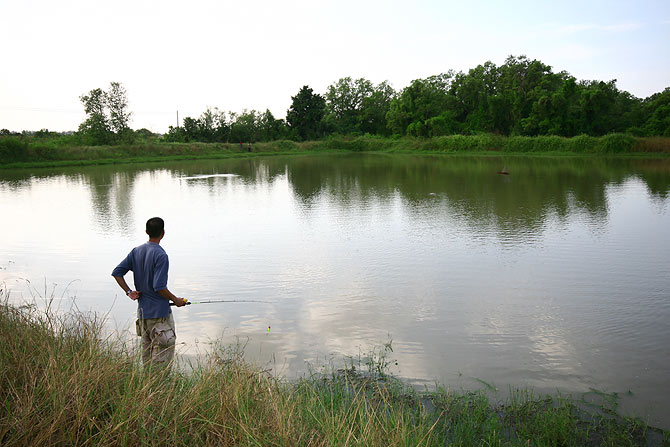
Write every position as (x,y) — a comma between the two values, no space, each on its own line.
(256,54)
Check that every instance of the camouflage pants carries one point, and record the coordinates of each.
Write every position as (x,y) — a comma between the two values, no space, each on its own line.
(158,339)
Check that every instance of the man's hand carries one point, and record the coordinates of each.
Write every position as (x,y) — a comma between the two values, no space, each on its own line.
(132,294)
(165,293)
(179,302)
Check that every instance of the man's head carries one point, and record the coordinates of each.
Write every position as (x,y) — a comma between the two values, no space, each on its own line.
(155,227)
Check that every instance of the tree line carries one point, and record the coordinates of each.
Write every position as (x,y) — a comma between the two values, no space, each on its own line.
(520,97)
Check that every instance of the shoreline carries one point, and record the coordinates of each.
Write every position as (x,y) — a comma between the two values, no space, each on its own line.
(37,155)
(71,384)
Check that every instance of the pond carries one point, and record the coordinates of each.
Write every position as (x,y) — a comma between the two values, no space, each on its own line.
(554,276)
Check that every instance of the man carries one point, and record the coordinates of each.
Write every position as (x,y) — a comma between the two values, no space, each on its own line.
(155,324)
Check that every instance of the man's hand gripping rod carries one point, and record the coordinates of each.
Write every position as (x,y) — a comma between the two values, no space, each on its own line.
(221,301)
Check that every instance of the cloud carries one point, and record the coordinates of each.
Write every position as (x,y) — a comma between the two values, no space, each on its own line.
(573,52)
(586,27)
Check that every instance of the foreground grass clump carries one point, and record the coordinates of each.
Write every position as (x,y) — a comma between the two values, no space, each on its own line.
(63,383)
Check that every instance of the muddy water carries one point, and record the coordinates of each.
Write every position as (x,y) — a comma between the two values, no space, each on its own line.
(556,276)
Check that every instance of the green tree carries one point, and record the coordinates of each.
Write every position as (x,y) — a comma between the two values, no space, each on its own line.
(373,110)
(344,103)
(655,119)
(472,93)
(222,126)
(244,126)
(116,100)
(562,111)
(191,128)
(269,128)
(597,102)
(520,84)
(206,126)
(96,127)
(421,100)
(175,135)
(107,115)
(305,114)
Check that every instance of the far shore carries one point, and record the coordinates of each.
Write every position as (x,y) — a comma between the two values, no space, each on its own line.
(37,155)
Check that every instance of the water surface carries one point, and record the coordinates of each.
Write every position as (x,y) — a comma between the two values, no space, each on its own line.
(556,276)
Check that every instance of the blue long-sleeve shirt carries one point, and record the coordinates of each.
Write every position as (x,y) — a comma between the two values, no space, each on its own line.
(149,264)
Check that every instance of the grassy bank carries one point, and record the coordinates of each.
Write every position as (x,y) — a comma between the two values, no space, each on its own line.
(16,152)
(63,383)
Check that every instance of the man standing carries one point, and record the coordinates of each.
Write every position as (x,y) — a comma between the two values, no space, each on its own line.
(155,324)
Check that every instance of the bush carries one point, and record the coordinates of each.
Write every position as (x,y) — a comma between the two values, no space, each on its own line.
(478,142)
(582,144)
(454,143)
(286,145)
(615,143)
(43,152)
(553,143)
(13,149)
(519,144)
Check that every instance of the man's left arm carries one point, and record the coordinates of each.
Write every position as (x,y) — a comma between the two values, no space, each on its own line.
(118,274)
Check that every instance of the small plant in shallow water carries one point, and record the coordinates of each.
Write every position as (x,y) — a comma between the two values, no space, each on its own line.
(378,361)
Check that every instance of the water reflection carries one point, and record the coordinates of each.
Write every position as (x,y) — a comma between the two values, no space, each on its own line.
(555,275)
(514,205)
(111,194)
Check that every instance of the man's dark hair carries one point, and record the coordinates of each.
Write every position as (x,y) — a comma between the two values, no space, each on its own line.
(155,226)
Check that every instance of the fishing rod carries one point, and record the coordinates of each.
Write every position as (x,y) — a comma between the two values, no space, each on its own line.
(222,301)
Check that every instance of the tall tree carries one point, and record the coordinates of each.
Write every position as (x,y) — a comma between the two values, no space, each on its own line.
(206,126)
(222,126)
(472,92)
(306,112)
(192,128)
(244,127)
(344,102)
(374,108)
(107,119)
(270,128)
(116,100)
(421,100)
(597,103)
(96,127)
(657,111)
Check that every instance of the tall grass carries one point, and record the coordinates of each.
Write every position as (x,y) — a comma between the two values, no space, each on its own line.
(15,152)
(62,382)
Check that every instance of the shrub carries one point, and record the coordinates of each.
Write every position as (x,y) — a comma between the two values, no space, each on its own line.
(582,144)
(13,149)
(43,152)
(615,143)
(519,144)
(286,145)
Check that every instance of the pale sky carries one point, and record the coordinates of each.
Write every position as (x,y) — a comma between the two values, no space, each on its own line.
(256,54)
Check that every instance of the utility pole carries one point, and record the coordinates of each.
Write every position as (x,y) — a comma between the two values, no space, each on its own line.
(177,119)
